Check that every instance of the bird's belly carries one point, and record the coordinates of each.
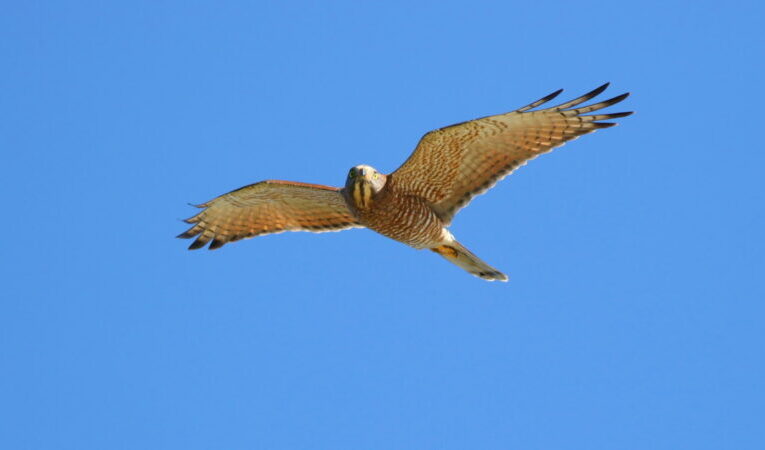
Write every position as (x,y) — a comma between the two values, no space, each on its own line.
(408,220)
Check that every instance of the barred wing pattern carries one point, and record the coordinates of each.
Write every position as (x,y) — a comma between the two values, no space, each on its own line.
(269,207)
(452,165)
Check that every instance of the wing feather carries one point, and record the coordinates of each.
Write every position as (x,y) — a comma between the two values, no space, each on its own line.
(453,164)
(267,207)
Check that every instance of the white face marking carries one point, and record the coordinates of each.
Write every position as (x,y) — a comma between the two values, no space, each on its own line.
(362,193)
(363,182)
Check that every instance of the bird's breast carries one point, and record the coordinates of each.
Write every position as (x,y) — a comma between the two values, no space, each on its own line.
(404,218)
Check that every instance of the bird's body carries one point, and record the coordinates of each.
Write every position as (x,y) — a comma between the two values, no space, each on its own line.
(416,203)
(393,213)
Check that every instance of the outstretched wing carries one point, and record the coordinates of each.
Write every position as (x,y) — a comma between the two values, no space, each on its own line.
(452,165)
(269,207)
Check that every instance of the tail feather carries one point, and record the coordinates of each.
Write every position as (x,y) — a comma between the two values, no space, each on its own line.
(456,253)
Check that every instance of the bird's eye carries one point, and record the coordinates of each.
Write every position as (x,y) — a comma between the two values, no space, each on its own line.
(351,174)
(376,175)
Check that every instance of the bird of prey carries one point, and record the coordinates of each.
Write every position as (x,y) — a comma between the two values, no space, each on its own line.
(416,203)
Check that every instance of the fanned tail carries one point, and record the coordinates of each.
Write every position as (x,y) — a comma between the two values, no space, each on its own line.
(456,253)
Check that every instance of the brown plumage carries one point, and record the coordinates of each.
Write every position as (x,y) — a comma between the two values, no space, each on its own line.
(416,203)
(269,207)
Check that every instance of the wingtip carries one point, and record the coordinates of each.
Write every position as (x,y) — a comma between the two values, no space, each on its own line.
(619,98)
(548,97)
(600,89)
(539,102)
(598,125)
(617,115)
(493,275)
(197,244)
(594,93)
(216,244)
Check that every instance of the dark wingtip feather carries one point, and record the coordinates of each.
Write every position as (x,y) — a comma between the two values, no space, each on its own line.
(601,105)
(539,102)
(199,243)
(187,234)
(216,243)
(604,124)
(616,99)
(579,100)
(609,115)
(621,114)
(595,92)
(549,97)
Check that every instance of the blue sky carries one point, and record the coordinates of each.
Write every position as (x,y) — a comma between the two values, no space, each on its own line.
(634,314)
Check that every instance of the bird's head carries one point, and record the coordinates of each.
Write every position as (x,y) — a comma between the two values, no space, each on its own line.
(363,183)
